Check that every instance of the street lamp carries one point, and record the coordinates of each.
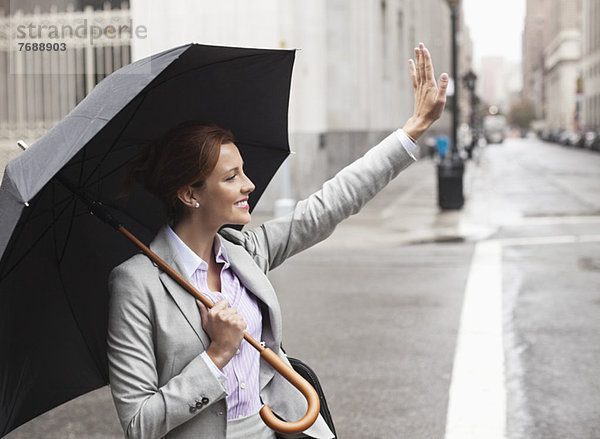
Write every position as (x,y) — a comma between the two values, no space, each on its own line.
(451,168)
(455,108)
(469,80)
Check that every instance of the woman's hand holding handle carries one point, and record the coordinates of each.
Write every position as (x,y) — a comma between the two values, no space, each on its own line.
(430,97)
(225,327)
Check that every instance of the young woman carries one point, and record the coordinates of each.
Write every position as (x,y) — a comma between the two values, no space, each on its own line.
(179,370)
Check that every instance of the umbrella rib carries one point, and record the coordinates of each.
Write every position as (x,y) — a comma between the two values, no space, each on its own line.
(13,405)
(132,218)
(17,235)
(32,217)
(7,272)
(61,254)
(123,147)
(107,174)
(114,143)
(70,304)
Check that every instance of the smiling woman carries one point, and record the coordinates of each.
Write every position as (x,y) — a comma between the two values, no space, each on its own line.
(178,369)
(185,156)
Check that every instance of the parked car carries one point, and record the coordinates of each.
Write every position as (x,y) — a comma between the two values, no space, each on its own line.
(589,138)
(495,128)
(564,136)
(572,138)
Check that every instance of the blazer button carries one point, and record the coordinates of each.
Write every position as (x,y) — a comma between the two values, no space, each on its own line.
(192,409)
(205,400)
(199,404)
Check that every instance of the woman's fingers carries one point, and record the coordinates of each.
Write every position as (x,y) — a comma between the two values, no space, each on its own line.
(418,66)
(422,72)
(222,312)
(428,65)
(413,72)
(443,86)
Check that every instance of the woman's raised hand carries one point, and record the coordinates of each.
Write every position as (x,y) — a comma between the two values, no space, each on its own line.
(225,327)
(430,97)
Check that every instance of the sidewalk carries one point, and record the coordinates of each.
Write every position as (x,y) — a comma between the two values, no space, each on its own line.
(406,212)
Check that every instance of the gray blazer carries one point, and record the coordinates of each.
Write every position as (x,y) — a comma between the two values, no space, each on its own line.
(160,384)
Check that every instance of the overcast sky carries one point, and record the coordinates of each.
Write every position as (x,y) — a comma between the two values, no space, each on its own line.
(496,27)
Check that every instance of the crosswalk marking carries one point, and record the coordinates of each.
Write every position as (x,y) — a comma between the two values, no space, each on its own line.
(477,402)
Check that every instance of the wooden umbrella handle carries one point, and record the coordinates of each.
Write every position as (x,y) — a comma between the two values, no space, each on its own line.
(312,398)
(269,418)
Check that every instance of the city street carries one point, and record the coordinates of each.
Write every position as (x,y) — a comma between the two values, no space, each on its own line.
(480,323)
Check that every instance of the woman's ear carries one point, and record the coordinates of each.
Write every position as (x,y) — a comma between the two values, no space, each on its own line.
(187,196)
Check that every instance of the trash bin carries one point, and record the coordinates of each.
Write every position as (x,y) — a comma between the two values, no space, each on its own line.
(450,183)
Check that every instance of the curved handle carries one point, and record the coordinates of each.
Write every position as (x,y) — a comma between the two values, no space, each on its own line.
(314,405)
(312,398)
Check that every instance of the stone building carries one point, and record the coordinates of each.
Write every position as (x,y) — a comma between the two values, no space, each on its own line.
(350,86)
(590,65)
(562,56)
(535,39)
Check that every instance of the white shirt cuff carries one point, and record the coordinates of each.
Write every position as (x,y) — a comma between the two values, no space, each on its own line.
(408,144)
(218,373)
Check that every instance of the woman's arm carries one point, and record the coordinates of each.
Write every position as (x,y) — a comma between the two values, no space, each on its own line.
(316,217)
(145,409)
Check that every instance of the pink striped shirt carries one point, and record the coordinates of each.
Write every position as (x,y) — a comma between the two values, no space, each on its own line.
(242,372)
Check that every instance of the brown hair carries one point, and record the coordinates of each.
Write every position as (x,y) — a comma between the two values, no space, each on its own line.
(185,155)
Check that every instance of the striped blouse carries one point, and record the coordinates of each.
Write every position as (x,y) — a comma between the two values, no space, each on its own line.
(241,374)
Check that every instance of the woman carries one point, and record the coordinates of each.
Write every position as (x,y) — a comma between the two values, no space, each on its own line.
(180,370)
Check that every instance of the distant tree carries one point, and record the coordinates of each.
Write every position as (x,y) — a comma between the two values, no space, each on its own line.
(521,114)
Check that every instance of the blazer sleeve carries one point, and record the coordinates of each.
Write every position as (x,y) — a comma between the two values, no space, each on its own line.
(146,410)
(316,217)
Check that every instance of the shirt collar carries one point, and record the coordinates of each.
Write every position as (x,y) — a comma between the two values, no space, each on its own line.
(190,260)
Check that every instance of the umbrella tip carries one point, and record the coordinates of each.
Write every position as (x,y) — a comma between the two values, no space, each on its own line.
(22,145)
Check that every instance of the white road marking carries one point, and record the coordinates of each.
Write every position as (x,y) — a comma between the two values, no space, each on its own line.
(477,403)
(477,400)
(546,240)
(552,220)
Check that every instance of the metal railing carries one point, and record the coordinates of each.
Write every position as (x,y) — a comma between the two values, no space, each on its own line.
(50,61)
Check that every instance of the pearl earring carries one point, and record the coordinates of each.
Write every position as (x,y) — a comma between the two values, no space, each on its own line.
(197,205)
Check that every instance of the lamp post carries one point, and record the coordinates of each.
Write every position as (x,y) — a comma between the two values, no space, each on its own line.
(456,109)
(469,80)
(451,168)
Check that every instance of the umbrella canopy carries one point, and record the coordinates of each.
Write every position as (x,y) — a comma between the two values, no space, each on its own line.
(55,258)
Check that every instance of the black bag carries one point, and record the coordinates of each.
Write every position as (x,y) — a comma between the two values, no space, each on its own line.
(309,375)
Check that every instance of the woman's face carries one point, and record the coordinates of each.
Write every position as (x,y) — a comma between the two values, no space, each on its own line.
(224,196)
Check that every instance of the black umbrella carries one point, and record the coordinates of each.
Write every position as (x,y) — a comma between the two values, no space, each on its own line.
(56,257)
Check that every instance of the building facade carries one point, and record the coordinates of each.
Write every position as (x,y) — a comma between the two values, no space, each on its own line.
(351,83)
(535,38)
(562,58)
(590,66)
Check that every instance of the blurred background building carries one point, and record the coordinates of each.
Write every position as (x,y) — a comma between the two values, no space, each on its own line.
(351,83)
(590,66)
(561,67)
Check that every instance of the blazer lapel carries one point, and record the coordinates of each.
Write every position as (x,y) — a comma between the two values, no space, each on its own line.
(185,301)
(255,281)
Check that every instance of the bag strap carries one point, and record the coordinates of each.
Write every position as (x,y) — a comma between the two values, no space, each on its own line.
(309,375)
